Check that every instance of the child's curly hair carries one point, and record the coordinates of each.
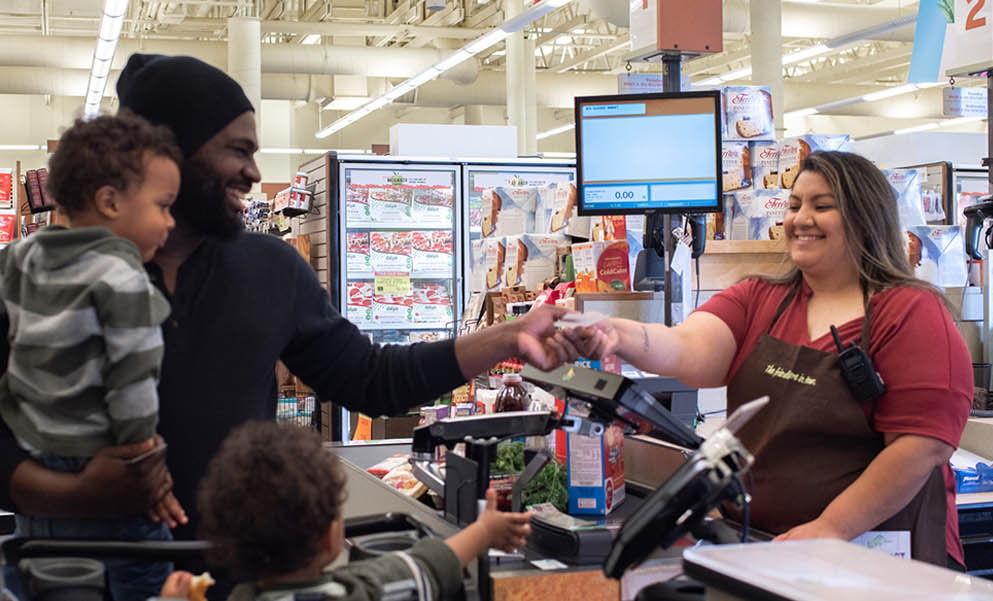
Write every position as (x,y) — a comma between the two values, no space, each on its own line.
(269,495)
(105,151)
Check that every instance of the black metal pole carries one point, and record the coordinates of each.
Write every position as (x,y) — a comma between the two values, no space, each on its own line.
(670,83)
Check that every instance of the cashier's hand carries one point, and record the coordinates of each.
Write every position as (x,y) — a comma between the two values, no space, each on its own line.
(814,529)
(537,342)
(593,342)
(505,531)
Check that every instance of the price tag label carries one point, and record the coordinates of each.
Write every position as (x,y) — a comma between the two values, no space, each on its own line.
(392,283)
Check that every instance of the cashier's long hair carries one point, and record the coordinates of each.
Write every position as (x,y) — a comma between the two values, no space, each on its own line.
(269,496)
(869,211)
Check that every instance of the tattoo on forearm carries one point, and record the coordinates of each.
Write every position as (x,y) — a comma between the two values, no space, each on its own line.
(644,338)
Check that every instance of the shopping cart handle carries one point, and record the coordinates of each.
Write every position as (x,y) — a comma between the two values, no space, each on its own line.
(16,549)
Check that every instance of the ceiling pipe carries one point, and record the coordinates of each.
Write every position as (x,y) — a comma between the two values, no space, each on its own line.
(75,53)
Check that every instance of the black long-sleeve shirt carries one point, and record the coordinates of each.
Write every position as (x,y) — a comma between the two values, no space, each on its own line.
(240,305)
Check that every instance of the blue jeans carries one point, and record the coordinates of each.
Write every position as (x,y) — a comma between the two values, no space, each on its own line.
(128,580)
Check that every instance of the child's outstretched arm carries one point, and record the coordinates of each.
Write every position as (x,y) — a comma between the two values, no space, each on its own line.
(497,529)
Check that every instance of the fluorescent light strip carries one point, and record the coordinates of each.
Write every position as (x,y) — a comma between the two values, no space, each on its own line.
(916,128)
(459,56)
(555,131)
(871,97)
(21,147)
(890,92)
(103,54)
(802,112)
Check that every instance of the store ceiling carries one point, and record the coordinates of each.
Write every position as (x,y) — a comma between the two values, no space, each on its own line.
(319,50)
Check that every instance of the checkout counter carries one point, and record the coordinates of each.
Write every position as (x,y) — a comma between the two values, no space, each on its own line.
(795,571)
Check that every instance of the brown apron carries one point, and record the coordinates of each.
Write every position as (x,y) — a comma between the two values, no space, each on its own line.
(813,440)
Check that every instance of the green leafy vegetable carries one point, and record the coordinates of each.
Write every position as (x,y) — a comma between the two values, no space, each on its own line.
(509,458)
(549,486)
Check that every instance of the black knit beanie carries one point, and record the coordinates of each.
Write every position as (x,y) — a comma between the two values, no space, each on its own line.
(190,97)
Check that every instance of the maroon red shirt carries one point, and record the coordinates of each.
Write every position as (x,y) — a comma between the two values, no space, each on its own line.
(913,343)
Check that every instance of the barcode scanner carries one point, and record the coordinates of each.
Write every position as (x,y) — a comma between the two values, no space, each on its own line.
(858,371)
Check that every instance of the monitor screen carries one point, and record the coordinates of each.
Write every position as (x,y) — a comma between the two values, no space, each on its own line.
(641,153)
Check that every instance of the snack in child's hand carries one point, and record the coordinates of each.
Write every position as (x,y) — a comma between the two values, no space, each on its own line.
(199,586)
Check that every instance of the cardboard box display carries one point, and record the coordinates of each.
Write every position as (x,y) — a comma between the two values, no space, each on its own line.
(494,252)
(557,207)
(602,266)
(530,259)
(508,211)
(736,166)
(358,307)
(765,164)
(792,152)
(595,468)
(736,210)
(907,186)
(748,113)
(357,263)
(431,254)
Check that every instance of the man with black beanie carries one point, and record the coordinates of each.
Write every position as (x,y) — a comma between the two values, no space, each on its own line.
(240,302)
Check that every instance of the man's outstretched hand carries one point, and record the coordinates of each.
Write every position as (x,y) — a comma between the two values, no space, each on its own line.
(536,340)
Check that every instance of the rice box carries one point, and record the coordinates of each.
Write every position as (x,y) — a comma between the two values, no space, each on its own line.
(736,165)
(431,254)
(595,468)
(530,259)
(765,164)
(357,263)
(748,113)
(792,152)
(602,266)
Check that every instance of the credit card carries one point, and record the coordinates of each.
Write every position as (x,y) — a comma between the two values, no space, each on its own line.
(580,320)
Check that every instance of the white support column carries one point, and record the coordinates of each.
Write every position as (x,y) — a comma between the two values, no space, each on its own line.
(522,108)
(767,53)
(245,58)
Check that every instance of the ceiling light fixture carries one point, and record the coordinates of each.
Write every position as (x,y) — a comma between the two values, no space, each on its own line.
(916,128)
(890,92)
(801,112)
(21,147)
(555,131)
(103,54)
(311,39)
(461,55)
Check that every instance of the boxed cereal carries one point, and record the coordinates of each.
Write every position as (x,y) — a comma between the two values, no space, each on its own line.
(792,152)
(530,259)
(748,113)
(765,164)
(595,468)
(602,266)
(736,165)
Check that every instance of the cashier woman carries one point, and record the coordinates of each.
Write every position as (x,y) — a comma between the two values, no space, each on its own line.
(826,464)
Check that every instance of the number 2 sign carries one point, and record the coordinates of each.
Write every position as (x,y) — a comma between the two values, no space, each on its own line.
(968,35)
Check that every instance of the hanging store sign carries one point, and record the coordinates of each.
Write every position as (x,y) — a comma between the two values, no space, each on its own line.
(951,35)
(963,102)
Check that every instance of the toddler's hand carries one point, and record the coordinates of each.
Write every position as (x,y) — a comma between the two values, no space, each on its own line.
(168,510)
(505,531)
(177,585)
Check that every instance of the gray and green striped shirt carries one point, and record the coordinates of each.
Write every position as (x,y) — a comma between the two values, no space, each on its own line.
(85,342)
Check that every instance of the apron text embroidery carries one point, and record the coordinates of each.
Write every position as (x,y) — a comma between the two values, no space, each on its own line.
(779,372)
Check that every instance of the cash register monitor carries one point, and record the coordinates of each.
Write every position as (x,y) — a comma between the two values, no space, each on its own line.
(642,153)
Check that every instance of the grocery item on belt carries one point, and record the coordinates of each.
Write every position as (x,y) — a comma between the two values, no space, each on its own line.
(595,468)
(403,480)
(765,164)
(748,113)
(792,152)
(736,165)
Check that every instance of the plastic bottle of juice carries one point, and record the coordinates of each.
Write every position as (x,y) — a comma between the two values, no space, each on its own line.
(512,397)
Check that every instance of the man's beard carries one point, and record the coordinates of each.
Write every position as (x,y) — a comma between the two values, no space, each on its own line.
(202,205)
